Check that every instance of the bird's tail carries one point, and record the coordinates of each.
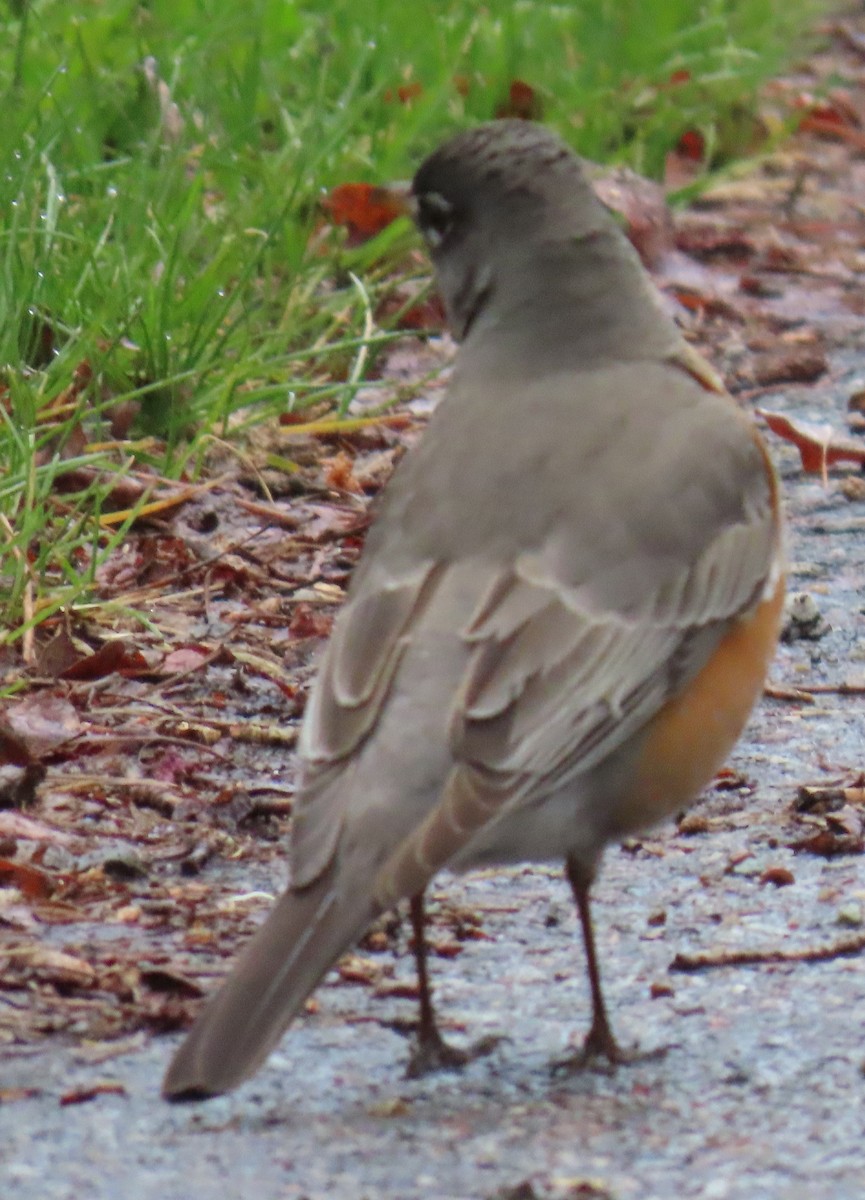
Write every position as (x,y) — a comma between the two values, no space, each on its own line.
(303,936)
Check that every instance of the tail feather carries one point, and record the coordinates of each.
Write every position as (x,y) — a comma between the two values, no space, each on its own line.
(301,939)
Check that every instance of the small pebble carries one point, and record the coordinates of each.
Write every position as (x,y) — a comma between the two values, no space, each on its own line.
(850,915)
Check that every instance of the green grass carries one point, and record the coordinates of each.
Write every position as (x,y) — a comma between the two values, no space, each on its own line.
(162,167)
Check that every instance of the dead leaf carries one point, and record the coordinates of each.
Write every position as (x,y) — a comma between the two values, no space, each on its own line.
(43,722)
(83,1094)
(522,102)
(51,966)
(161,979)
(365,209)
(691,145)
(339,473)
(708,240)
(779,876)
(828,844)
(846,820)
(114,657)
(325,523)
(54,656)
(829,127)
(426,316)
(355,969)
(121,491)
(29,880)
(184,659)
(833,115)
(797,365)
(705,304)
(405,93)
(310,621)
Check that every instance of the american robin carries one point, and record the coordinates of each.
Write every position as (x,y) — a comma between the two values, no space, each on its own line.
(564,613)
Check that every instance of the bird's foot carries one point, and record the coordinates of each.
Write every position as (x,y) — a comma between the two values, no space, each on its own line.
(601,1052)
(432,1053)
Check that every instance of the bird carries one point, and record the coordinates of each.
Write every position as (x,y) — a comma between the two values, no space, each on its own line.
(565,609)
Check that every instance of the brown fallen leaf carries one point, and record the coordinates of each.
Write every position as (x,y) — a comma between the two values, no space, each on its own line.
(51,966)
(819,446)
(821,799)
(795,365)
(828,844)
(449,949)
(163,979)
(779,876)
(710,240)
(355,969)
(114,657)
(307,620)
(338,472)
(83,1094)
(120,491)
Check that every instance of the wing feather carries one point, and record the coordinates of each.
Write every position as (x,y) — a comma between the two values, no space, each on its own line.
(523,655)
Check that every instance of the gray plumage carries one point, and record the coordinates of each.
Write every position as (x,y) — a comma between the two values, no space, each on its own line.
(584,520)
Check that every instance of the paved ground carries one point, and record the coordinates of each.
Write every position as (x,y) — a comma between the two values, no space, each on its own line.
(760,1094)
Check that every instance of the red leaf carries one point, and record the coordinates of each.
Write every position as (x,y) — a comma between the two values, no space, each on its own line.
(522,102)
(405,93)
(81,1095)
(30,881)
(692,145)
(834,109)
(111,657)
(365,209)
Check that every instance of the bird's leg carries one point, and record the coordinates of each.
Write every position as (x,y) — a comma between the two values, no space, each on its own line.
(600,1041)
(431,1051)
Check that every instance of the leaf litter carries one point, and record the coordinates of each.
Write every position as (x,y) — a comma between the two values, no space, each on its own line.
(163,722)
(135,862)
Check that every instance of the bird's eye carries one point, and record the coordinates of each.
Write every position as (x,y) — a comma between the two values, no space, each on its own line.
(435,218)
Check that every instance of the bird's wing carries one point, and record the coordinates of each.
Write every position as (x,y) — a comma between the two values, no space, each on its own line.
(556,673)
(555,685)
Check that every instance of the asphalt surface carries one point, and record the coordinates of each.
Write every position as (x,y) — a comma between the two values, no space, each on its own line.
(760,1093)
